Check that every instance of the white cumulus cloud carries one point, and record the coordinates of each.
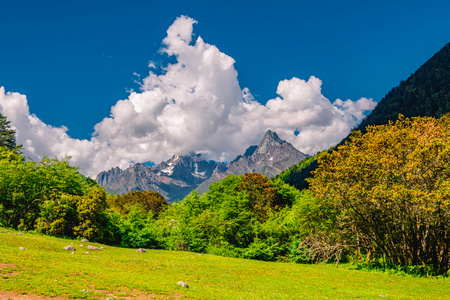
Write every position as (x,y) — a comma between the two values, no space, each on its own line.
(194,105)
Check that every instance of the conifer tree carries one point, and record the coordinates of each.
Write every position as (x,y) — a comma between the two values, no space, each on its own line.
(7,134)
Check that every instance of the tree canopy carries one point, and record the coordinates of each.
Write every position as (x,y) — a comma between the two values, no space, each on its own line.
(147,201)
(390,190)
(243,216)
(26,186)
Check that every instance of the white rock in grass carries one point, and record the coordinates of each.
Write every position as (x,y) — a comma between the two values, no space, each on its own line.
(90,247)
(21,248)
(70,248)
(183,284)
(142,250)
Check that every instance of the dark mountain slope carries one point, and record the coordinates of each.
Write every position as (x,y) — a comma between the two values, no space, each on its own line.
(425,93)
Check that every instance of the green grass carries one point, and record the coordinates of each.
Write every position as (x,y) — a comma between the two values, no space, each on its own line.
(44,268)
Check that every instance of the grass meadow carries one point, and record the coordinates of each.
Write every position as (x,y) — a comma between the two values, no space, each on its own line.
(44,269)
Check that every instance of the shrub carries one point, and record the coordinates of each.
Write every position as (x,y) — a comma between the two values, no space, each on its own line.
(135,229)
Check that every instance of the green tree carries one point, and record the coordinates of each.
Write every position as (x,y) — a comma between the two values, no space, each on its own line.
(7,134)
(92,218)
(26,187)
(147,201)
(15,175)
(136,229)
(217,222)
(264,196)
(240,216)
(58,215)
(390,190)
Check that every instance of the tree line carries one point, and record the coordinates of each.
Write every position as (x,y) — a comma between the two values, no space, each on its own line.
(382,197)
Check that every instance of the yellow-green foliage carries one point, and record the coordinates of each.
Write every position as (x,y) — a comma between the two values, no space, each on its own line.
(147,201)
(91,215)
(58,215)
(390,189)
(71,215)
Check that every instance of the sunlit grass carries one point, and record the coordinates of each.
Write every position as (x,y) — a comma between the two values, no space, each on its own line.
(44,268)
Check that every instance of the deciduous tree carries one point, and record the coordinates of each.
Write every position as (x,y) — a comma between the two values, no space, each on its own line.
(391,190)
(146,200)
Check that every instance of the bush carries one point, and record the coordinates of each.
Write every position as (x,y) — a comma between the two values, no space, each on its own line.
(58,216)
(136,229)
(26,186)
(92,218)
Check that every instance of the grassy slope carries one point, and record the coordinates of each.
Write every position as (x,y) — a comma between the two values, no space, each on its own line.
(43,268)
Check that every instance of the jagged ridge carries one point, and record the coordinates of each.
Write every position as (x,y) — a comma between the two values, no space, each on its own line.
(178,176)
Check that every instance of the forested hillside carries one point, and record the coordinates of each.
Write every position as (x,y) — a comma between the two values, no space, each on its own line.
(298,174)
(425,93)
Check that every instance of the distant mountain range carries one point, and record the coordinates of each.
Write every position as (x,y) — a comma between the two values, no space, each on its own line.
(178,176)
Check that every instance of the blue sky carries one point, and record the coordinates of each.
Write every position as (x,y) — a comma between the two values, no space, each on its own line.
(73,60)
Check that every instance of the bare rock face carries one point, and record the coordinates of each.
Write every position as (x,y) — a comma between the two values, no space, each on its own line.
(70,248)
(173,179)
(269,158)
(178,176)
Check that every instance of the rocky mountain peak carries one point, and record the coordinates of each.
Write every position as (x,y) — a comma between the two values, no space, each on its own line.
(271,136)
(104,178)
(269,158)
(250,150)
(177,176)
(270,140)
